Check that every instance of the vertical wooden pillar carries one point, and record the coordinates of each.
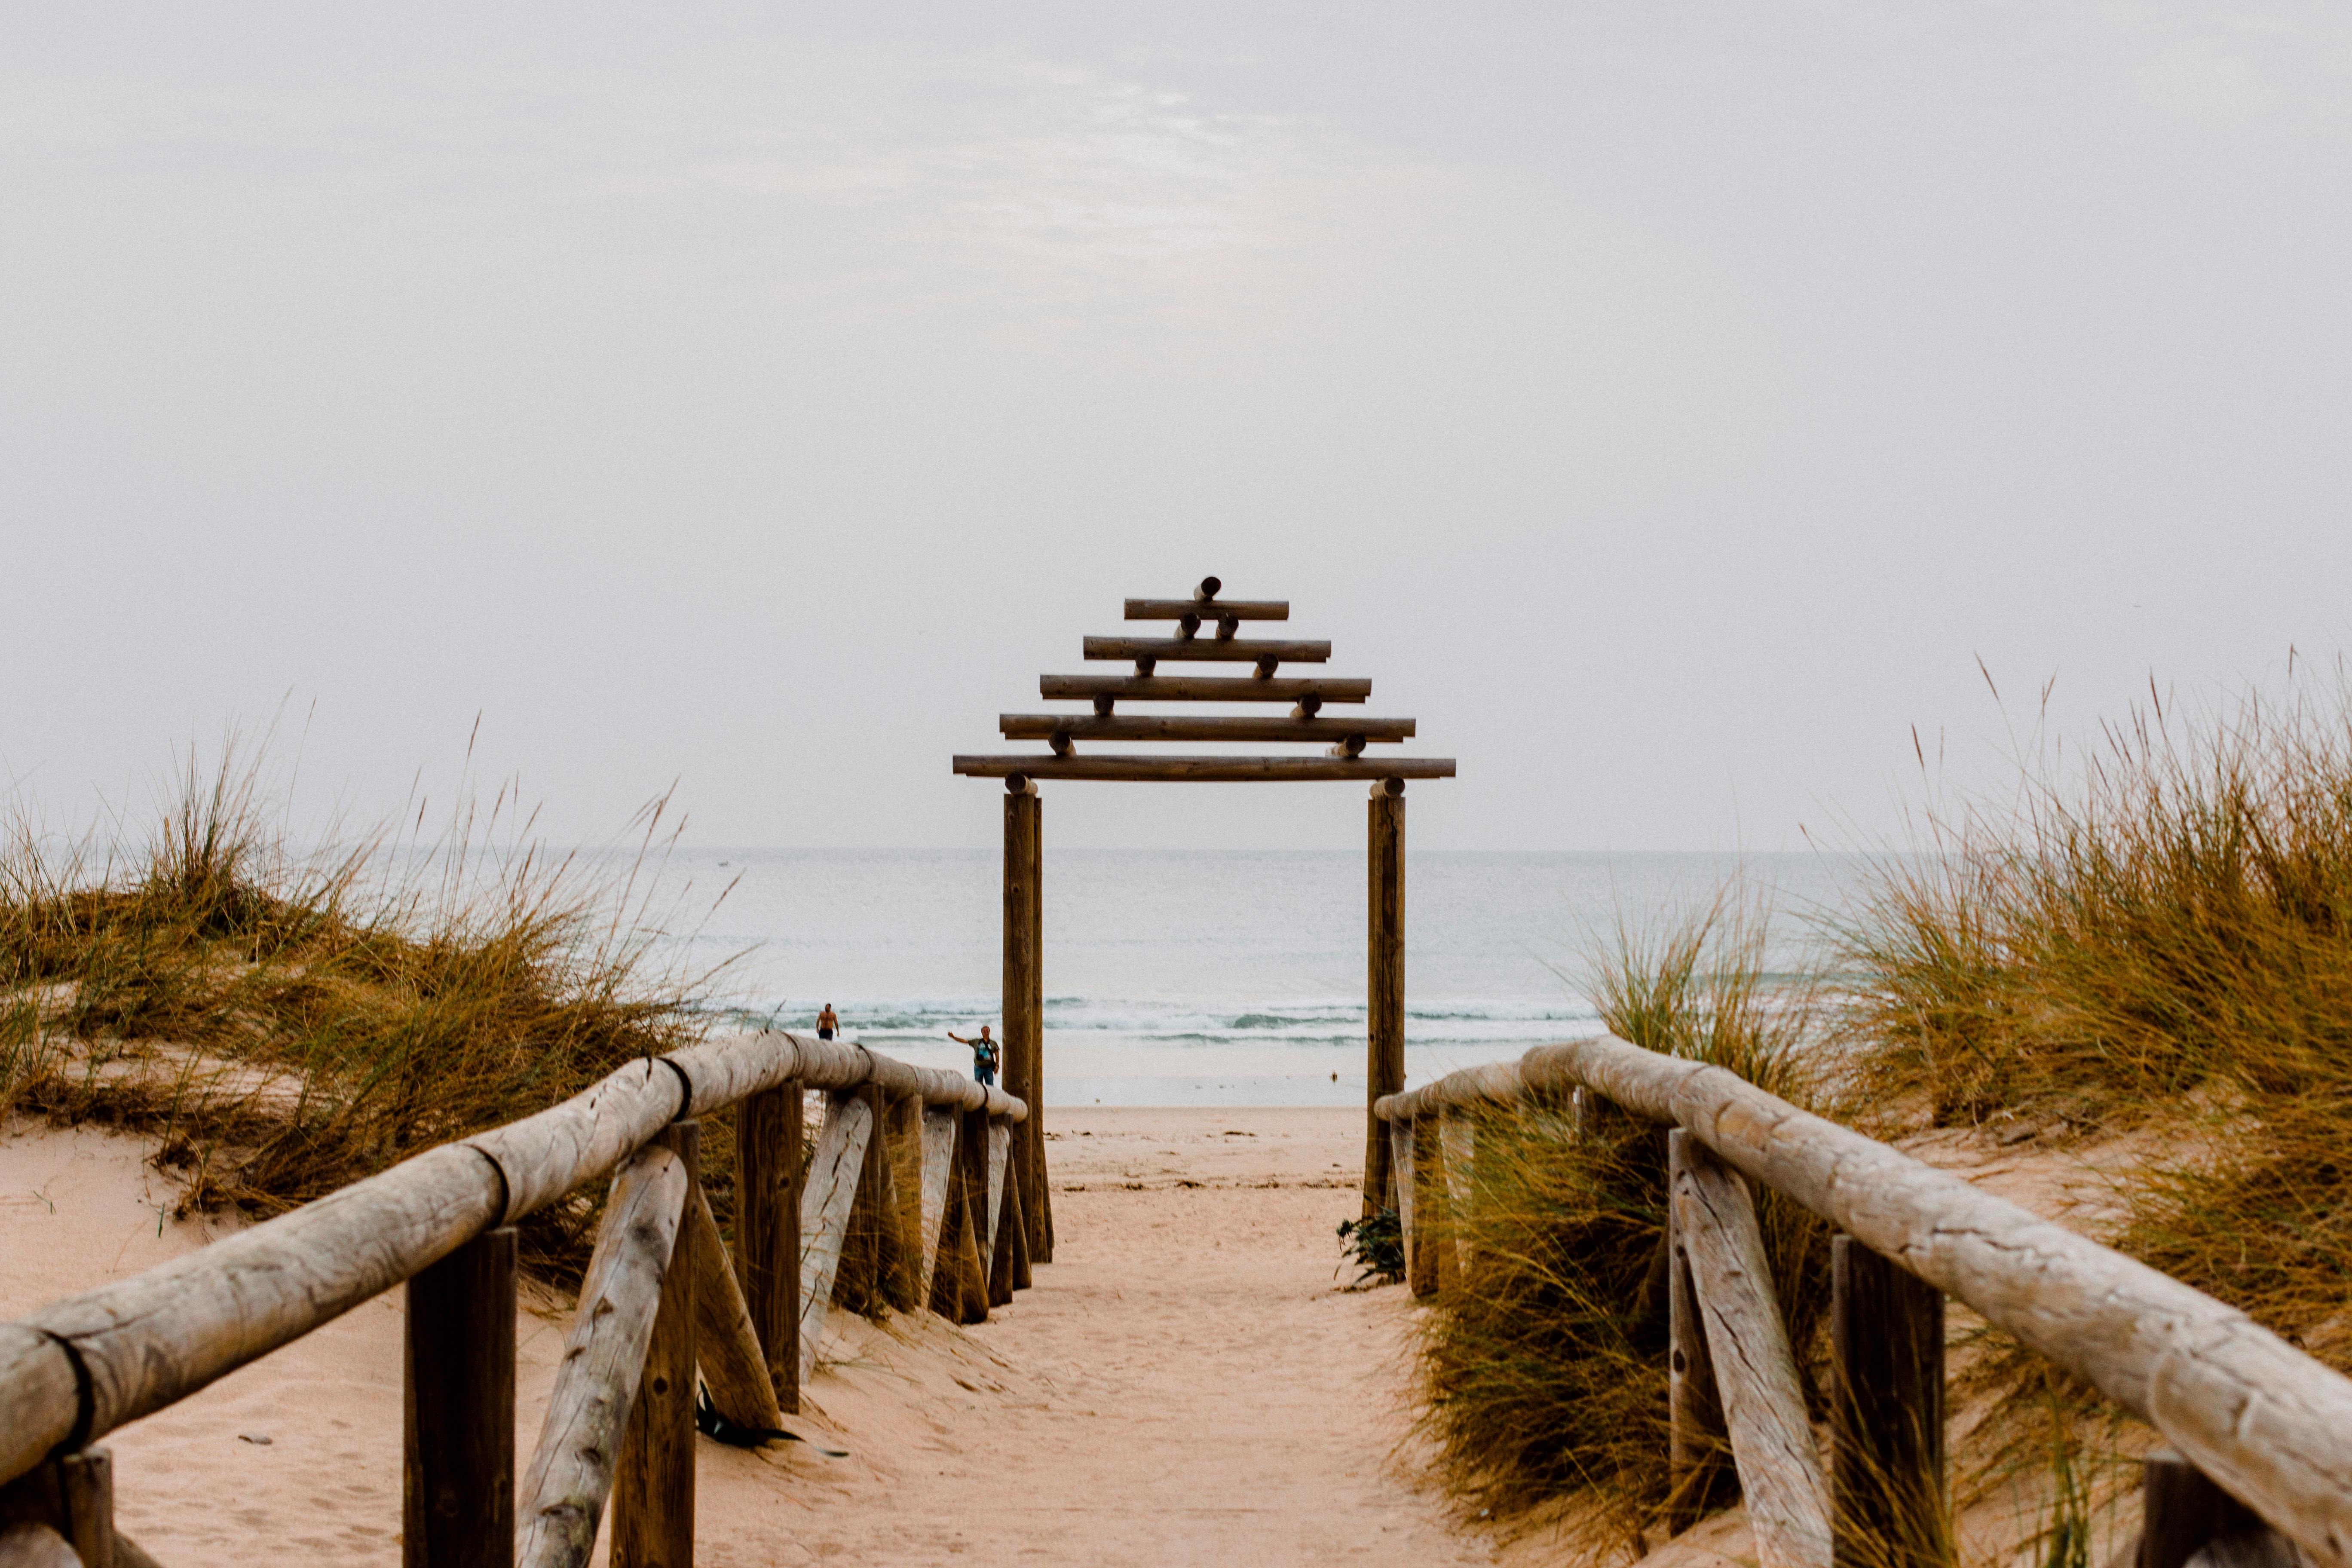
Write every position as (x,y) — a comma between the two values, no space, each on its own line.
(652,1486)
(1039,1191)
(458,1487)
(768,1133)
(1696,1471)
(1886,1457)
(1385,1010)
(1025,1001)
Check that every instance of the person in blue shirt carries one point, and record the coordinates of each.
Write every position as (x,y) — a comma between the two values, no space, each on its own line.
(984,1055)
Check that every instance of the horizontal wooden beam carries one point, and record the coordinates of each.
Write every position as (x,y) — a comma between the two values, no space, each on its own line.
(1205,769)
(1229,650)
(1208,610)
(1204,688)
(1086,726)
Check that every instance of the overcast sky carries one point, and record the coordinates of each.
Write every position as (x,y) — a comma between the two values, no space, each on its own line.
(1668,405)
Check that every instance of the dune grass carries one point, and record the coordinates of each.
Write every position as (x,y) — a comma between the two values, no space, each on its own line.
(2162,942)
(1545,1373)
(285,1024)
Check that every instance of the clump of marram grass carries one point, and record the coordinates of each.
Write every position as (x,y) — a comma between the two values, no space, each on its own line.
(2164,941)
(285,1026)
(1545,1369)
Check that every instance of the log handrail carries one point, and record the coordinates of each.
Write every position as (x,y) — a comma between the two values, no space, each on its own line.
(2269,1424)
(82,1366)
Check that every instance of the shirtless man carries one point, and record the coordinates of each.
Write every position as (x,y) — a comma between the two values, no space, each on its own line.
(984,1055)
(826,1023)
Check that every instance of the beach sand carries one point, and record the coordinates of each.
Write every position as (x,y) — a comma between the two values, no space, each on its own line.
(1189,1382)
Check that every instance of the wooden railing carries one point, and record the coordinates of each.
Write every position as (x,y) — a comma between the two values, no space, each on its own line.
(911,1163)
(2254,1419)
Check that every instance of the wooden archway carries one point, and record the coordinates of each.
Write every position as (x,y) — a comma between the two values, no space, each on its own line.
(1343,741)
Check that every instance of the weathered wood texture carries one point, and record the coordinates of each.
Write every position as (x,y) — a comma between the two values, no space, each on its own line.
(1000,1151)
(1756,1372)
(38,1404)
(833,1176)
(1023,978)
(570,1474)
(726,1345)
(458,1469)
(1425,1278)
(652,1485)
(1203,688)
(1208,609)
(157,1337)
(1401,1177)
(1699,1472)
(86,1483)
(1228,650)
(1457,1139)
(1206,769)
(1008,1230)
(1084,727)
(768,1231)
(1017,1225)
(2261,1417)
(1384,985)
(1888,1505)
(152,1339)
(939,1126)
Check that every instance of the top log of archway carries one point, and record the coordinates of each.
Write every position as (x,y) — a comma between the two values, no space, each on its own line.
(1344,740)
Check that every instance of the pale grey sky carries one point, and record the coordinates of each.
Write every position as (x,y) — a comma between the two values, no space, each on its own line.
(1666,403)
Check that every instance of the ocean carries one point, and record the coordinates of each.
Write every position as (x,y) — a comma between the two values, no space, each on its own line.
(1207,978)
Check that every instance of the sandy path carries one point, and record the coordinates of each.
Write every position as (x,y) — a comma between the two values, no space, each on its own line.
(1186,1385)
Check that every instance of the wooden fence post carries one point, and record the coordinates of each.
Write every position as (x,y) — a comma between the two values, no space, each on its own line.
(1431,1240)
(2184,1515)
(1384,1005)
(826,1198)
(458,1478)
(1696,1476)
(1887,1414)
(653,1491)
(768,1135)
(1457,1135)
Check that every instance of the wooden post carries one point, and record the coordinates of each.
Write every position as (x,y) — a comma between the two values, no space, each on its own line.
(1756,1376)
(1696,1476)
(1429,1207)
(1457,1135)
(2183,1512)
(1402,1162)
(86,1484)
(1024,1000)
(825,1201)
(768,1230)
(940,1124)
(457,1491)
(1384,1010)
(1887,1414)
(570,1474)
(653,1491)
